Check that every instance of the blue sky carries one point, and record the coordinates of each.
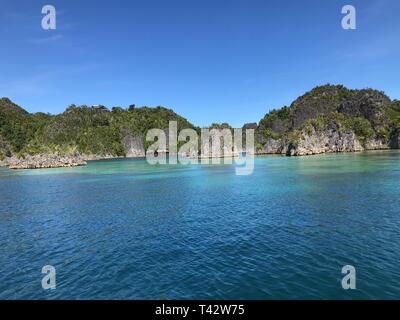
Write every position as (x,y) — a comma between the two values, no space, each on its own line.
(210,61)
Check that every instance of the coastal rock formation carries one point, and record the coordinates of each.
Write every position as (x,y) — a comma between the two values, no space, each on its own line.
(94,157)
(273,146)
(378,144)
(133,144)
(3,162)
(331,119)
(5,152)
(315,143)
(395,140)
(45,161)
(324,142)
(219,144)
(93,131)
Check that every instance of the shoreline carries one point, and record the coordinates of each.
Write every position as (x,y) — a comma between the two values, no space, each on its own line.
(325,152)
(55,161)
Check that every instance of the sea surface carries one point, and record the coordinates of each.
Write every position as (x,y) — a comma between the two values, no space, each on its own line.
(124,229)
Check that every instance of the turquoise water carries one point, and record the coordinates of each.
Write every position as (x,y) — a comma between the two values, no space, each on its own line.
(123,229)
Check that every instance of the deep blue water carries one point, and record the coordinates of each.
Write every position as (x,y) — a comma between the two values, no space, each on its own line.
(123,229)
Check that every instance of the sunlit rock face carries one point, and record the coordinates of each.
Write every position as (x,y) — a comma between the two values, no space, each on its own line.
(219,144)
(133,145)
(331,119)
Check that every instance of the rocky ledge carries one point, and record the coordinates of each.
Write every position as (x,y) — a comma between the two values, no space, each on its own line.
(46,161)
(327,141)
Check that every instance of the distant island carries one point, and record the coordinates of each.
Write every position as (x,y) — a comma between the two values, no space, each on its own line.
(329,118)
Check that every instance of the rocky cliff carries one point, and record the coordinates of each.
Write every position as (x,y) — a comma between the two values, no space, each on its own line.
(394,142)
(133,144)
(331,119)
(79,133)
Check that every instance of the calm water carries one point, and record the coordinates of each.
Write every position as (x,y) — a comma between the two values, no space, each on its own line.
(125,229)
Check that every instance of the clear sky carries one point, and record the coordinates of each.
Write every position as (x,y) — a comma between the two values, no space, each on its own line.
(209,60)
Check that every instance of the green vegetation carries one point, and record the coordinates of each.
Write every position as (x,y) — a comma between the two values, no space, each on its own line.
(362,128)
(294,137)
(393,113)
(368,113)
(17,126)
(282,114)
(220,126)
(83,129)
(275,124)
(96,130)
(269,133)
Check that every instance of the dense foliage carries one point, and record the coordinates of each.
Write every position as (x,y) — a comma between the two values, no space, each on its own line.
(393,113)
(368,113)
(17,126)
(85,130)
(96,130)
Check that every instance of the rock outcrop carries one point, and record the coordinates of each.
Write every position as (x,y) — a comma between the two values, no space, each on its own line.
(3,162)
(92,131)
(218,145)
(324,142)
(273,146)
(327,141)
(45,161)
(133,144)
(395,140)
(316,143)
(331,119)
(5,149)
(5,152)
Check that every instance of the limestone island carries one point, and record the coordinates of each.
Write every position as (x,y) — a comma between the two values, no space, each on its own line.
(329,118)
